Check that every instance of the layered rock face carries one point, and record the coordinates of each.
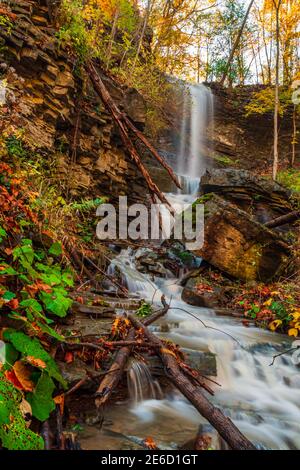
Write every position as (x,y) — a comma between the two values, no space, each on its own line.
(57,114)
(260,197)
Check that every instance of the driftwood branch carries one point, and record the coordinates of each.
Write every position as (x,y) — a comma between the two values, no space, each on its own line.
(283,219)
(226,428)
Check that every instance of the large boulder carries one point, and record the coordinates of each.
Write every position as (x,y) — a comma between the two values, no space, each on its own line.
(259,196)
(238,245)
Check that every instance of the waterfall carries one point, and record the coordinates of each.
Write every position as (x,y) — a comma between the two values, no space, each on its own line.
(141,385)
(197,113)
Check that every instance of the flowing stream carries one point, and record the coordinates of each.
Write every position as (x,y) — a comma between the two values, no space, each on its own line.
(262,400)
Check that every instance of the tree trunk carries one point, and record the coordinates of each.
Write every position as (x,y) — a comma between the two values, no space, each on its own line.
(112,37)
(284,219)
(145,24)
(276,110)
(294,139)
(236,43)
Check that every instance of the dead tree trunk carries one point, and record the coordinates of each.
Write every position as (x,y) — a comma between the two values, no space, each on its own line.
(225,427)
(283,219)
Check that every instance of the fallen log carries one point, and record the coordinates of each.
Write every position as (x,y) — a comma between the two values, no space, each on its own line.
(153,151)
(111,380)
(283,219)
(124,132)
(225,427)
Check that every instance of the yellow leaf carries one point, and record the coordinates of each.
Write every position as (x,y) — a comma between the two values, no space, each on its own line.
(268,302)
(167,351)
(293,332)
(275,324)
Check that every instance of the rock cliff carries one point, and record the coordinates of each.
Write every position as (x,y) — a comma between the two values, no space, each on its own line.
(57,111)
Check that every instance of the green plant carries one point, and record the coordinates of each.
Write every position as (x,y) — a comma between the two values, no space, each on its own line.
(14,433)
(290,178)
(14,147)
(144,310)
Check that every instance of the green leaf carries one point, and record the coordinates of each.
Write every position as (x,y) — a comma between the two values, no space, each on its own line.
(41,400)
(32,347)
(55,249)
(3,234)
(24,254)
(8,355)
(14,434)
(8,271)
(32,304)
(26,242)
(7,296)
(50,331)
(51,279)
(67,278)
(56,302)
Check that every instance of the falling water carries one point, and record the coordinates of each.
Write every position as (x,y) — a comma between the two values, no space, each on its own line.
(197,113)
(141,384)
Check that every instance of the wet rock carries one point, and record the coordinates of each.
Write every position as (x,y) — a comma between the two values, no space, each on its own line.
(193,295)
(238,245)
(150,262)
(75,371)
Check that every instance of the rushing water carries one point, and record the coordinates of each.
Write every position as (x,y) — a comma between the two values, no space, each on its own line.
(141,384)
(263,400)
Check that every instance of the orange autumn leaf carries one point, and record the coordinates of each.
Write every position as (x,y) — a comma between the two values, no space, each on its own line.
(13,304)
(167,351)
(150,444)
(23,374)
(11,376)
(36,362)
(38,286)
(69,357)
(60,401)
